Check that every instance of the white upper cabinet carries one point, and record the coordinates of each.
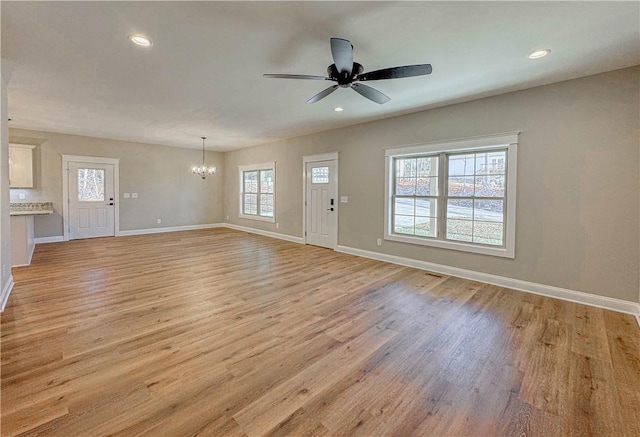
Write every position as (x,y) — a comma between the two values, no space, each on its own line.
(21,166)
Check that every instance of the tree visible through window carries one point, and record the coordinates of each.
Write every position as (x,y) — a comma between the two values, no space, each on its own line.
(90,185)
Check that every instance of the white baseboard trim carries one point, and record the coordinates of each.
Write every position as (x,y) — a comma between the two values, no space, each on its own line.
(6,291)
(277,235)
(30,257)
(619,305)
(21,265)
(167,229)
(44,240)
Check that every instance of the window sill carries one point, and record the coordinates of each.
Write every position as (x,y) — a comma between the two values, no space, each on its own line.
(258,218)
(504,252)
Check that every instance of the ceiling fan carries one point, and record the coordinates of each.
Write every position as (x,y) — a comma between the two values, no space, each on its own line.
(349,74)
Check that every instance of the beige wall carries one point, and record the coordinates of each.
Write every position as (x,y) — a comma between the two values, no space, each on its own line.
(5,224)
(160,175)
(578,167)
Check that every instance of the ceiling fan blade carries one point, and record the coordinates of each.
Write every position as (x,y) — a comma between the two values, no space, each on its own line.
(342,52)
(397,72)
(322,94)
(370,93)
(295,76)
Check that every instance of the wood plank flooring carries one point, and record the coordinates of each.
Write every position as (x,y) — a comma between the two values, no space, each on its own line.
(223,333)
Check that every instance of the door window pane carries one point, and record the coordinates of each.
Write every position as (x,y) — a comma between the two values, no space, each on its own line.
(90,185)
(320,175)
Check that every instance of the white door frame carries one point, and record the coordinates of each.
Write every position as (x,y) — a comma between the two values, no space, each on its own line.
(66,159)
(332,156)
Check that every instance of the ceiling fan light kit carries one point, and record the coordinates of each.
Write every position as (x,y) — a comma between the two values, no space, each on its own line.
(349,74)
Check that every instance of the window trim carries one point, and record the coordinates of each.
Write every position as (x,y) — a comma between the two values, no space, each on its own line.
(256,167)
(507,141)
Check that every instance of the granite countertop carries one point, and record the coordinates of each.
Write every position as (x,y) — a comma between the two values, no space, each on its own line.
(31,208)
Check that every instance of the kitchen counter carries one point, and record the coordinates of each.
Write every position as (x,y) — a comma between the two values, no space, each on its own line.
(22,232)
(31,208)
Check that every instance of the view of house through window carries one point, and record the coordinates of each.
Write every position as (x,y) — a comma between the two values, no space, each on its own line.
(257,184)
(450,198)
(476,197)
(415,196)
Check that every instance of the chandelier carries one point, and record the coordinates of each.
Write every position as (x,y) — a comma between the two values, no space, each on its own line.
(203,170)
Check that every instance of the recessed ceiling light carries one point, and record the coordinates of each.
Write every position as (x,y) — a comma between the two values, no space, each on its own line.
(539,54)
(338,109)
(140,40)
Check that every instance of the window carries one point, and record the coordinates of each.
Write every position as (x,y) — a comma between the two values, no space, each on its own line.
(90,185)
(257,191)
(320,175)
(457,195)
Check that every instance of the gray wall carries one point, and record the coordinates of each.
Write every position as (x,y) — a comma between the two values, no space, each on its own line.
(578,171)
(160,175)
(578,213)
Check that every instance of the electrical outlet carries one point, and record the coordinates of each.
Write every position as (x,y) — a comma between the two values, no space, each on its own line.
(159,221)
(22,196)
(134,195)
(4,269)
(379,241)
(227,217)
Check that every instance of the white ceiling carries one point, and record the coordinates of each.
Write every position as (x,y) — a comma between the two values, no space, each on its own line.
(71,68)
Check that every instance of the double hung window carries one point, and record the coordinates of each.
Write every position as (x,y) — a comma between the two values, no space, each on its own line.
(457,194)
(257,191)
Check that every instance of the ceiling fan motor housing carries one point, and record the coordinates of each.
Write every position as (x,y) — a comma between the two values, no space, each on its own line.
(345,79)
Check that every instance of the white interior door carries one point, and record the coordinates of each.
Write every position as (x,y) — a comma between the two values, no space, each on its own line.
(321,181)
(91,200)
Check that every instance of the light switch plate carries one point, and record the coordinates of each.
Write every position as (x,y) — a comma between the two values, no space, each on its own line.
(344,199)
(126,195)
(134,195)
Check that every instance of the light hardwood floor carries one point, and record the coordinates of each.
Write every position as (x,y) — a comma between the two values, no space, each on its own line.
(219,332)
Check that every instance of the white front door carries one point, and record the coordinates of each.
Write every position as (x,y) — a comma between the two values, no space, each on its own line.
(321,181)
(91,200)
